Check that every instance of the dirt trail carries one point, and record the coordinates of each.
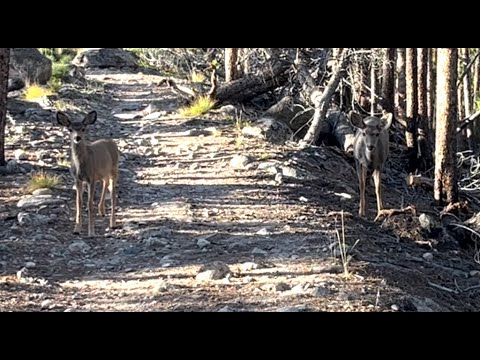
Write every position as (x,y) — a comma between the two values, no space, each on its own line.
(181,205)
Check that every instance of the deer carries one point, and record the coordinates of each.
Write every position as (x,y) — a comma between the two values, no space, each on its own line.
(91,162)
(370,150)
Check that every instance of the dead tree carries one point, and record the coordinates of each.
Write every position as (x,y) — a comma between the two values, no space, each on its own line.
(4,67)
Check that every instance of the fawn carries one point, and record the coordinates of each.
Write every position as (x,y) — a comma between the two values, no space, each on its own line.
(91,162)
(370,150)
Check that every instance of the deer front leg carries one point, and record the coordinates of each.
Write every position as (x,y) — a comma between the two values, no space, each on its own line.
(78,215)
(112,187)
(91,220)
(362,176)
(377,178)
(101,204)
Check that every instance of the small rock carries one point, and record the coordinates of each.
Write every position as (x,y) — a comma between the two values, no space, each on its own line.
(213,271)
(290,172)
(30,265)
(12,166)
(161,286)
(280,287)
(320,291)
(303,199)
(426,221)
(132,250)
(296,308)
(43,191)
(154,242)
(228,109)
(20,154)
(269,167)
(79,246)
(260,252)
(46,303)
(428,256)
(39,200)
(28,219)
(166,261)
(225,309)
(50,237)
(247,266)
(240,161)
(262,231)
(423,304)
(297,289)
(395,307)
(201,243)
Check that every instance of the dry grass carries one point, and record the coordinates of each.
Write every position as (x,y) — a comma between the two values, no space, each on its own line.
(35,92)
(200,106)
(42,180)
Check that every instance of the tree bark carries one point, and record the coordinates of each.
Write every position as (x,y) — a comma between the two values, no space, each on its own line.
(4,67)
(412,107)
(431,89)
(388,80)
(231,59)
(425,149)
(400,93)
(467,95)
(446,186)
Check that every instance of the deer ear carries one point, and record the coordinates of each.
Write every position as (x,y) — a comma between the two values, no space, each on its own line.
(63,119)
(356,120)
(90,118)
(388,118)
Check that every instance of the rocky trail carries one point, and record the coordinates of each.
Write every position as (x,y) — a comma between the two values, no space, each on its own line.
(210,220)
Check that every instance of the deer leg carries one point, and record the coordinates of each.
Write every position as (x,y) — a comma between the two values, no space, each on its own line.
(101,204)
(78,215)
(362,175)
(112,188)
(377,178)
(91,220)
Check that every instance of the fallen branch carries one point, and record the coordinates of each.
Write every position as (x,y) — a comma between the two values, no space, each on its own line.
(467,121)
(454,207)
(418,180)
(391,212)
(443,288)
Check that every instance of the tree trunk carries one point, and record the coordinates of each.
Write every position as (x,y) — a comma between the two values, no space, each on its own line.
(476,92)
(231,58)
(425,155)
(400,84)
(373,85)
(250,86)
(431,89)
(322,100)
(445,139)
(467,95)
(388,80)
(4,67)
(412,107)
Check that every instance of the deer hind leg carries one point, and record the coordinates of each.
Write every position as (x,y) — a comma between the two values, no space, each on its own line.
(377,178)
(78,202)
(101,204)
(91,219)
(112,188)
(362,176)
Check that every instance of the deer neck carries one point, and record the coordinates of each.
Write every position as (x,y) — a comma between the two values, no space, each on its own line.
(79,153)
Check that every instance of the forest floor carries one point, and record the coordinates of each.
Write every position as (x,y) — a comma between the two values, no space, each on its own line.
(183,204)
